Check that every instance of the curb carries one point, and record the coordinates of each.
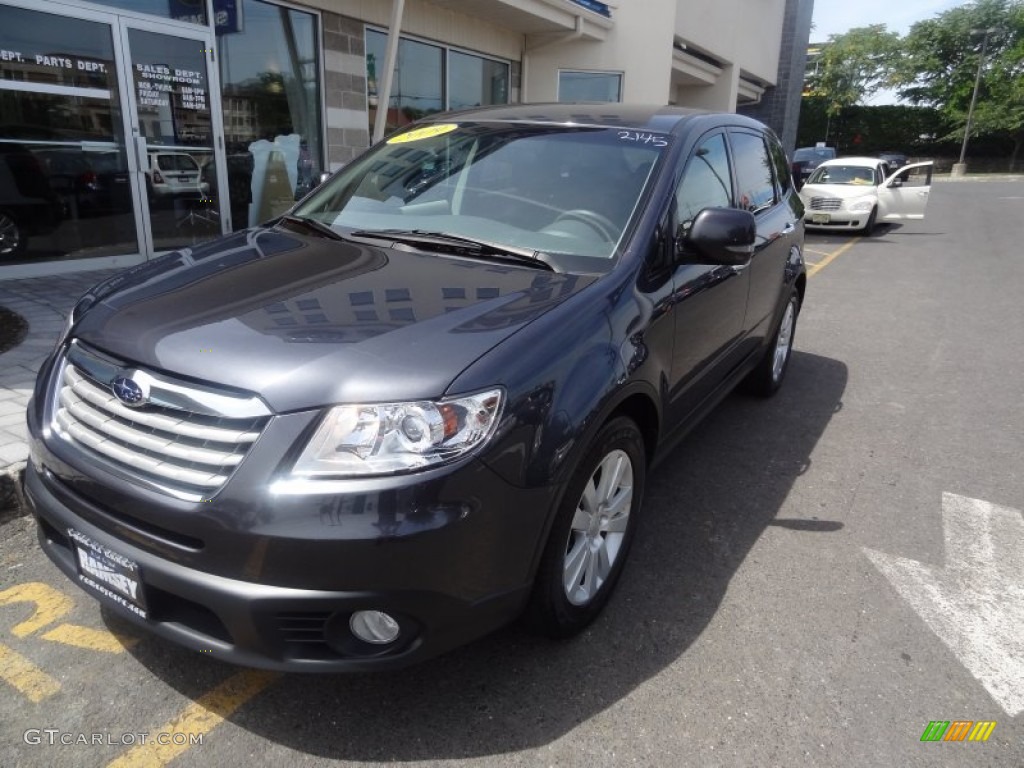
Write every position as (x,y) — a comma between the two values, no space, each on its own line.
(980,177)
(11,503)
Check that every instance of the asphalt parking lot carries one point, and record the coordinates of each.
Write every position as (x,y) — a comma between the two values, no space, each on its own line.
(817,577)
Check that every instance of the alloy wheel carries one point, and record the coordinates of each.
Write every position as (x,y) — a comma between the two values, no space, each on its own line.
(598,528)
(783,342)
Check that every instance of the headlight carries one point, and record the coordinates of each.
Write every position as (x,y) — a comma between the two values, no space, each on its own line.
(388,438)
(863,205)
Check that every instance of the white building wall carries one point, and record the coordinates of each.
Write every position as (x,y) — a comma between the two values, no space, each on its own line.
(639,45)
(743,35)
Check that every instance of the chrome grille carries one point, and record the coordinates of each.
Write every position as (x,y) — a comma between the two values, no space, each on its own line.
(186,441)
(826,203)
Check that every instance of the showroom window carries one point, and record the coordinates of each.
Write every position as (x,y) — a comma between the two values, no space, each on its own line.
(589,86)
(64,189)
(271,104)
(431,78)
(474,81)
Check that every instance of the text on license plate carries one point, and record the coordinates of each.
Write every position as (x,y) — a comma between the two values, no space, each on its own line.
(111,574)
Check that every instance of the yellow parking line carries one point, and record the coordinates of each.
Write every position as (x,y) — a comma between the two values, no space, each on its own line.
(50,605)
(26,676)
(817,253)
(90,639)
(815,268)
(199,717)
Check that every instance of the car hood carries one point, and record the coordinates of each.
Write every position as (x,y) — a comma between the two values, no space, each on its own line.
(840,191)
(306,321)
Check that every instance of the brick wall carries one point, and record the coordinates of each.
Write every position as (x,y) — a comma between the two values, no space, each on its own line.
(780,105)
(348,131)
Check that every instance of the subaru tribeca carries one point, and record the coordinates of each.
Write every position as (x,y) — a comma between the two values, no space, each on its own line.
(425,400)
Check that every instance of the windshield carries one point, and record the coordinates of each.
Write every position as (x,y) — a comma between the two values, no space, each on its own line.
(844,174)
(569,192)
(814,153)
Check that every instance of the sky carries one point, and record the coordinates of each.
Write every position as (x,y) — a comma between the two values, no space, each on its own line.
(834,17)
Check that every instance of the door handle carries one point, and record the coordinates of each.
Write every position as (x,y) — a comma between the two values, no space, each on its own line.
(141,150)
(789,229)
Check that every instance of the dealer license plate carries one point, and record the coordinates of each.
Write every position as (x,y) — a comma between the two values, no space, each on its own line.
(820,218)
(109,573)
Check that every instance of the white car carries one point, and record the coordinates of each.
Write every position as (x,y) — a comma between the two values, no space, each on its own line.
(853,193)
(173,174)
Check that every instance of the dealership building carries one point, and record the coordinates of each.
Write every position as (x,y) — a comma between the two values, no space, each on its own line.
(132,127)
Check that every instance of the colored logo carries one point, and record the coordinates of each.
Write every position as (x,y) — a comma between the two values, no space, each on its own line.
(128,391)
(958,730)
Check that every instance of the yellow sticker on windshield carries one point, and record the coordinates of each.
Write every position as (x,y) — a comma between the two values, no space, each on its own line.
(426,132)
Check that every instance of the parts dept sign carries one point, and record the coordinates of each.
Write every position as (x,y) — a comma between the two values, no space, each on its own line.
(43,67)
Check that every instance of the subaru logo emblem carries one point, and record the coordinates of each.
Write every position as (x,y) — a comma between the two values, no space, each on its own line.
(128,391)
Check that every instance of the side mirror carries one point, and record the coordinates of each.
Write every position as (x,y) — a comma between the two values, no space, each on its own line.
(723,236)
(897,182)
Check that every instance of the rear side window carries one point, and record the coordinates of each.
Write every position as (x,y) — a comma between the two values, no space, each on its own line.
(755,182)
(706,182)
(176,163)
(783,181)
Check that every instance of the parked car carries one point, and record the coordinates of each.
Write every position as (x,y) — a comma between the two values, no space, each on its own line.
(853,193)
(71,177)
(895,160)
(806,159)
(88,183)
(172,175)
(425,399)
(114,194)
(28,206)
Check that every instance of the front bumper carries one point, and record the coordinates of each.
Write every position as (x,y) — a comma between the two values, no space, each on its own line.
(271,582)
(837,220)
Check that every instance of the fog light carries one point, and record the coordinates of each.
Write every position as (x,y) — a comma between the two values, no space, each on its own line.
(374,627)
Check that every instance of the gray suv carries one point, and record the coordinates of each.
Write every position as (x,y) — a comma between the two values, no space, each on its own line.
(424,401)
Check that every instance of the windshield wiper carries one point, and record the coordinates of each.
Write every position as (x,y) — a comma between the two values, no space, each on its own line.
(459,245)
(317,226)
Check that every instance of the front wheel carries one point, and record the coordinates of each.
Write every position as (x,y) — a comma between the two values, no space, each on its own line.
(592,532)
(869,227)
(767,377)
(12,236)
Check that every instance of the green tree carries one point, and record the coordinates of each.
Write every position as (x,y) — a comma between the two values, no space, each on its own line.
(853,66)
(941,63)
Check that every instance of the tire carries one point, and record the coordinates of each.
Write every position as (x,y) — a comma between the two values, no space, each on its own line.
(585,552)
(869,227)
(12,237)
(766,379)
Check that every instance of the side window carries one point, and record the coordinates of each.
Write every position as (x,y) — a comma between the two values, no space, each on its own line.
(755,185)
(706,182)
(920,176)
(783,182)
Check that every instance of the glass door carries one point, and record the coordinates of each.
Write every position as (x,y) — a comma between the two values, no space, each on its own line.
(65,188)
(173,119)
